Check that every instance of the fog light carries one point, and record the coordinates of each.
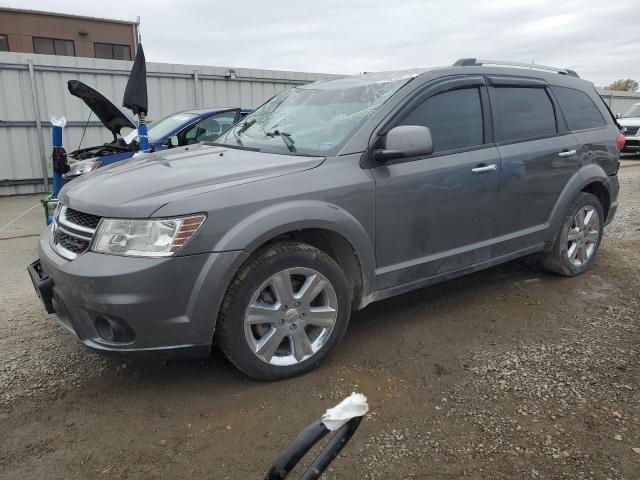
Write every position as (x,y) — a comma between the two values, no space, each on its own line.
(113,330)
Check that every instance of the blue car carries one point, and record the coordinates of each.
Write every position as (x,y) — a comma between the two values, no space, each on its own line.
(178,129)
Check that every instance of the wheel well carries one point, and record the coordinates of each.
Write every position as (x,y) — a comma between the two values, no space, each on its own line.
(599,190)
(338,248)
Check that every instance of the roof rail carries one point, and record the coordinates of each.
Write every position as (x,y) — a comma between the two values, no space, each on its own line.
(472,62)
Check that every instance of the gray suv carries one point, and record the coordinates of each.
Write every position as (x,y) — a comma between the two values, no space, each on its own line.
(329,197)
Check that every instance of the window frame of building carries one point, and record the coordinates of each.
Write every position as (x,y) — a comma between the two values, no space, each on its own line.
(4,42)
(54,41)
(111,46)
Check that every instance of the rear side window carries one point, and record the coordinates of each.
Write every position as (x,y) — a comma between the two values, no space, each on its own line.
(454,118)
(520,113)
(579,110)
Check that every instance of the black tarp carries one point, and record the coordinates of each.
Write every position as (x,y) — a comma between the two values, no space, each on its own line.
(135,95)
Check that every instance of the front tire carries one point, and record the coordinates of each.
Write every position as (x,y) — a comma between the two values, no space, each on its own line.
(579,238)
(285,311)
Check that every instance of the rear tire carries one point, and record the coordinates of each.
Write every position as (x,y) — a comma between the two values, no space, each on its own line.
(285,311)
(579,238)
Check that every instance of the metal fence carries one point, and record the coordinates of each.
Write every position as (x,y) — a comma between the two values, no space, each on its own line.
(34,87)
(619,102)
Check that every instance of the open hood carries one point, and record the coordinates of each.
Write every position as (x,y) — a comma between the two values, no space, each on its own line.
(112,116)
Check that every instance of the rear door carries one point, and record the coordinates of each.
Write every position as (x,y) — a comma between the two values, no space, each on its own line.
(434,213)
(538,156)
(596,139)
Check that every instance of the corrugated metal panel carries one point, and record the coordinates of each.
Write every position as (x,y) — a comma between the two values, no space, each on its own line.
(171,87)
(619,102)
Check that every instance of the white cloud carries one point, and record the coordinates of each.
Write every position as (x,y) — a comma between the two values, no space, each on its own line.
(599,40)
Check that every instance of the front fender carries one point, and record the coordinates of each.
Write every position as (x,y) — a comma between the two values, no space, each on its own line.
(269,222)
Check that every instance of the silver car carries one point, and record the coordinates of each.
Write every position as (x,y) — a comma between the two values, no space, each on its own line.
(630,120)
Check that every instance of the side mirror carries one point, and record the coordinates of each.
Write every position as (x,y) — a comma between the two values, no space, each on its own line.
(405,141)
(618,115)
(173,142)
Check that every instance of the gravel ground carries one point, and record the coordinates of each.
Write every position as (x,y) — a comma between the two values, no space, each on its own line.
(507,373)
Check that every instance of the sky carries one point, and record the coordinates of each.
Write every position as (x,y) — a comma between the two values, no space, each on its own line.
(598,39)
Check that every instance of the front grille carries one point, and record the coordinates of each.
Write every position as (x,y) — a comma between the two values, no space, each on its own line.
(73,231)
(83,219)
(70,243)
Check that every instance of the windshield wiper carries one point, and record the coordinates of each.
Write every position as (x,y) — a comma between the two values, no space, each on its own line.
(286,137)
(243,128)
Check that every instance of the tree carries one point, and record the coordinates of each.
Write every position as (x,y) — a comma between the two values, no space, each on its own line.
(628,85)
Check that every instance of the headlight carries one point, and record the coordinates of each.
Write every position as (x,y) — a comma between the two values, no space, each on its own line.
(145,238)
(82,167)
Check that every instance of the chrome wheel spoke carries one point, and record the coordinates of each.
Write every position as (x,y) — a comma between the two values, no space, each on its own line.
(281,285)
(580,219)
(311,288)
(589,217)
(301,345)
(582,254)
(573,252)
(262,313)
(322,316)
(269,343)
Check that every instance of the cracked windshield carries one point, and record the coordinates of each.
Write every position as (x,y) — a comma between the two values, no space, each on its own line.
(315,120)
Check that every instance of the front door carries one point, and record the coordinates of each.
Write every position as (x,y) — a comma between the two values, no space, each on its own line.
(434,214)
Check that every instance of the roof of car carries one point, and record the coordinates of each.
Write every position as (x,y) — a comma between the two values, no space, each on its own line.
(462,66)
(366,78)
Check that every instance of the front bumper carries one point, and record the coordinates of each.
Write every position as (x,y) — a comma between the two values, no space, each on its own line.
(167,305)
(631,144)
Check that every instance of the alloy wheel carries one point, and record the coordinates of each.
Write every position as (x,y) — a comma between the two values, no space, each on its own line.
(583,236)
(290,316)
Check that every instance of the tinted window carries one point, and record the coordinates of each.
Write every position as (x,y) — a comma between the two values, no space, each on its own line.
(578,109)
(4,43)
(64,47)
(520,113)
(121,52)
(53,46)
(454,118)
(111,51)
(103,50)
(43,45)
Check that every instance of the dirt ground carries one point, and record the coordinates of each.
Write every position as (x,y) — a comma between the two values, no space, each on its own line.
(507,373)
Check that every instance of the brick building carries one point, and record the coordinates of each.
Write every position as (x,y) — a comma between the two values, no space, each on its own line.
(51,33)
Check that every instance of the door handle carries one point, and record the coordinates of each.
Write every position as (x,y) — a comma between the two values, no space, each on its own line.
(567,153)
(485,168)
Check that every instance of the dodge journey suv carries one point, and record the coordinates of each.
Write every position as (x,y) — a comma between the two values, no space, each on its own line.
(329,197)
